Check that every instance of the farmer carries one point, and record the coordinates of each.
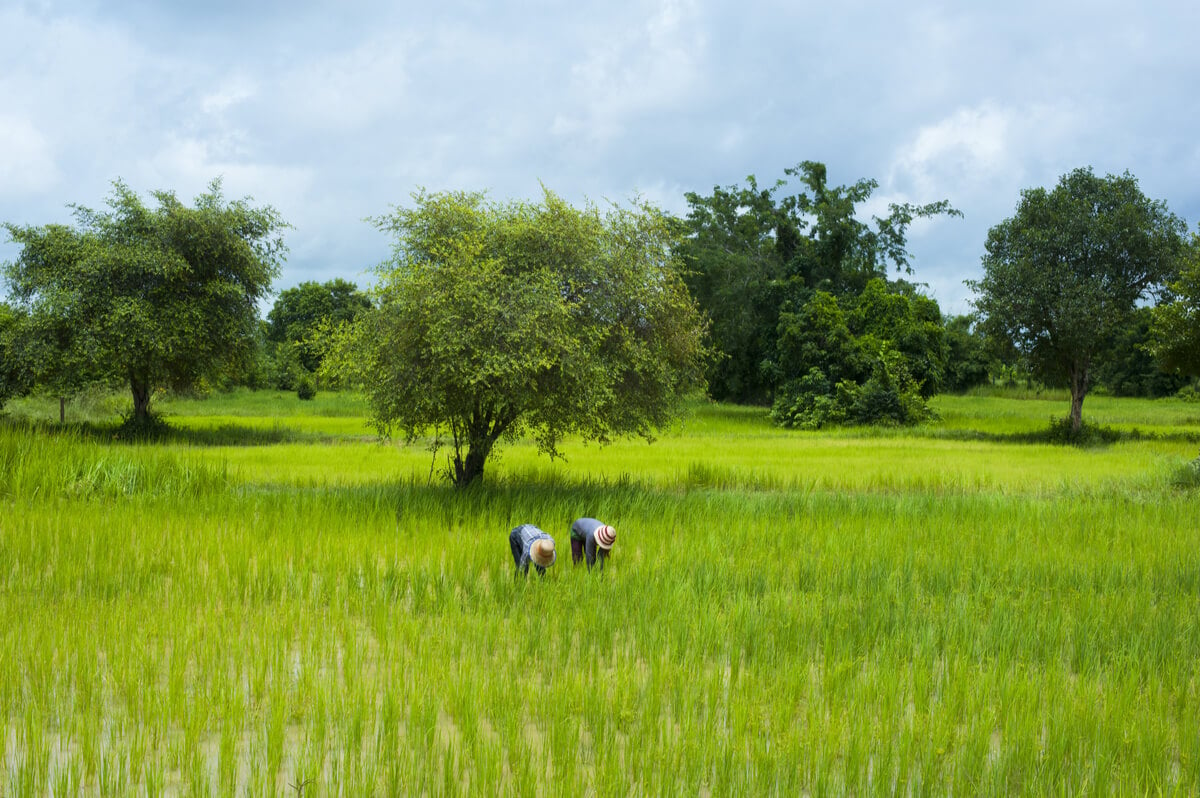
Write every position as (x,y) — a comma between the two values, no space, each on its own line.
(531,545)
(591,538)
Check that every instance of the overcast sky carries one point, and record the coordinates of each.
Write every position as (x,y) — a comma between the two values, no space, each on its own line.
(335,112)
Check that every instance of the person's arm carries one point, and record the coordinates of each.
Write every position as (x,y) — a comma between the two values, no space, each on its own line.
(603,555)
(589,550)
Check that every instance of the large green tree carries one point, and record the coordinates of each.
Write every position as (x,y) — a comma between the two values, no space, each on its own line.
(500,319)
(754,253)
(1063,275)
(153,297)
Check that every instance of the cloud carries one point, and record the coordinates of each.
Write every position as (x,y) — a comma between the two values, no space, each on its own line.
(346,90)
(190,164)
(234,91)
(633,71)
(27,163)
(984,146)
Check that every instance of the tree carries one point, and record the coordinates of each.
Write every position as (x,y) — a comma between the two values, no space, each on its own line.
(1064,274)
(1130,367)
(299,312)
(14,373)
(968,360)
(153,297)
(863,359)
(1175,330)
(754,253)
(500,319)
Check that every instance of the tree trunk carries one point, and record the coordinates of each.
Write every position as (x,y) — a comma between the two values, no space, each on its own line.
(141,399)
(62,410)
(481,434)
(1079,388)
(470,468)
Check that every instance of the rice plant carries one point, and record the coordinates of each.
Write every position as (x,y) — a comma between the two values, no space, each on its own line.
(784,613)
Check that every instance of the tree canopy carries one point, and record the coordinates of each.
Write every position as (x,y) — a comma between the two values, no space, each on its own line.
(150,296)
(495,319)
(1063,275)
(299,313)
(755,253)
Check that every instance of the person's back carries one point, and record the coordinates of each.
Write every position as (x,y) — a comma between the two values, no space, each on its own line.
(591,539)
(531,545)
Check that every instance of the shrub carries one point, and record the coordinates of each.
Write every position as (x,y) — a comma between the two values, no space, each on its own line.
(1188,393)
(1187,476)
(889,396)
(305,388)
(1061,432)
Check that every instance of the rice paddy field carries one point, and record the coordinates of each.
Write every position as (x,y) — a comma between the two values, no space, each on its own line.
(272,602)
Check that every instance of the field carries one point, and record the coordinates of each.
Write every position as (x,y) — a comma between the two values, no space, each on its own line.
(272,602)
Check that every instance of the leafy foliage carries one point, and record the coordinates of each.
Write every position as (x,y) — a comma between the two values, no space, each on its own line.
(1130,367)
(305,389)
(13,371)
(867,359)
(756,253)
(299,312)
(494,320)
(968,359)
(1175,337)
(154,297)
(1063,275)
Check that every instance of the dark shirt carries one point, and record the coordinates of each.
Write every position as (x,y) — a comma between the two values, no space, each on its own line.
(585,529)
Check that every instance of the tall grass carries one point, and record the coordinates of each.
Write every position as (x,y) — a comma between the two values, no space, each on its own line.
(39,461)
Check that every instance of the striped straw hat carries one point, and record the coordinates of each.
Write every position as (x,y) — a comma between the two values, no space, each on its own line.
(606,536)
(542,552)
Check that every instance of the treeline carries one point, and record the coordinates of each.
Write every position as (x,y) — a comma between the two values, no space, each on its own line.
(814,312)
(810,308)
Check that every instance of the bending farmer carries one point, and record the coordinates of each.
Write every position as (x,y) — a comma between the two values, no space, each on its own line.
(591,538)
(531,545)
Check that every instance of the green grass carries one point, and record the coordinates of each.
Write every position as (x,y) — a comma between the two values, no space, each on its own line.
(949,609)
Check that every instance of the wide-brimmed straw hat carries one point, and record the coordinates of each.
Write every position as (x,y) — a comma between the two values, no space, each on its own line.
(606,536)
(542,552)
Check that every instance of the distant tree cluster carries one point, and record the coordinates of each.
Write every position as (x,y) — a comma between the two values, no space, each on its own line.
(153,297)
(495,319)
(803,313)
(290,349)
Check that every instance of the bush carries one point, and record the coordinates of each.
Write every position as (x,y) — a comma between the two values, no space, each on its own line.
(305,388)
(889,396)
(1188,393)
(1187,477)
(1061,432)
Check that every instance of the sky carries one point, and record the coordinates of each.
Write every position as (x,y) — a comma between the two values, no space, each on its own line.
(336,112)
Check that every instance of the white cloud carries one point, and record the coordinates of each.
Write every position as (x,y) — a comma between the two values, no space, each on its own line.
(233,91)
(346,90)
(189,164)
(985,145)
(635,70)
(26,159)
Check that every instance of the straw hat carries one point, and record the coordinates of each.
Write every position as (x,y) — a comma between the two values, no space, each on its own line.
(606,536)
(542,552)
